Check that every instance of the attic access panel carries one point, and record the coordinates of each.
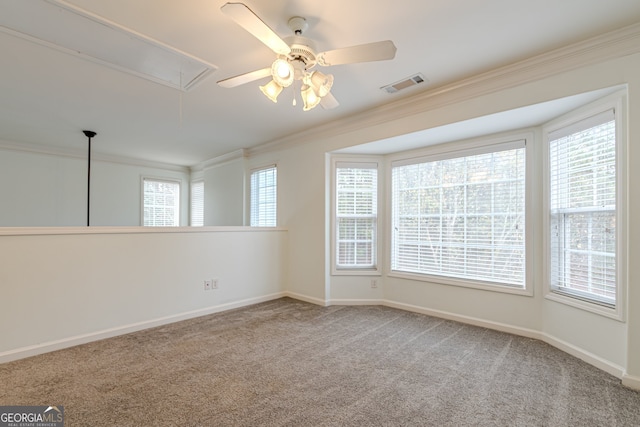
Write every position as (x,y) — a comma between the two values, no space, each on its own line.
(62,26)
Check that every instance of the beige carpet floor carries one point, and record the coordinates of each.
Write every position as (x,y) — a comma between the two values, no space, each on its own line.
(289,363)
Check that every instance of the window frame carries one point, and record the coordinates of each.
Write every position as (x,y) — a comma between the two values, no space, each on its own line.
(617,102)
(191,202)
(369,162)
(179,198)
(274,167)
(465,148)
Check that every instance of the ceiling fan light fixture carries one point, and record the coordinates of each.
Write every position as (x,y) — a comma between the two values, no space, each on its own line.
(321,83)
(309,97)
(295,56)
(271,90)
(282,72)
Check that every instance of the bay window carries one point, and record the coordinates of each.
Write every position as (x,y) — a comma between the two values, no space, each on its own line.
(461,215)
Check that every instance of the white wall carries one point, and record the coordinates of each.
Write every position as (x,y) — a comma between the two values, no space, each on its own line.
(302,170)
(128,295)
(41,190)
(66,286)
(38,189)
(224,193)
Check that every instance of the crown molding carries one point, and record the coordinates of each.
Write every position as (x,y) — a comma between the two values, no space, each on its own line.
(220,160)
(74,153)
(611,45)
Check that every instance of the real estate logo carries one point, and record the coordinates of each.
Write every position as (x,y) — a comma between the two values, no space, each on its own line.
(31,416)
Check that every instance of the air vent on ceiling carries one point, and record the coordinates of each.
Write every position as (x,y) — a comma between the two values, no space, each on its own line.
(404,83)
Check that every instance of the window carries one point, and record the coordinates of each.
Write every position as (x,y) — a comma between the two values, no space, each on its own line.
(356,208)
(461,217)
(582,210)
(197,204)
(161,203)
(264,197)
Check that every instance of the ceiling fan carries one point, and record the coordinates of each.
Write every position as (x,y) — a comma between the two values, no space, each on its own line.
(296,57)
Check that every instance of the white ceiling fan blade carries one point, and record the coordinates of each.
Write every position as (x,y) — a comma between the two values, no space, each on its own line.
(245,78)
(329,101)
(253,24)
(377,51)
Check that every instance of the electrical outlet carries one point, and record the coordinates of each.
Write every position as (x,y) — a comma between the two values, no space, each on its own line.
(214,284)
(374,283)
(208,285)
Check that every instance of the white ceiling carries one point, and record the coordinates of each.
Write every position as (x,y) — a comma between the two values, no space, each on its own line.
(47,97)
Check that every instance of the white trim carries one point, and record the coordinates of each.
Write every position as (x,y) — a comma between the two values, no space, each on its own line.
(464,283)
(261,168)
(93,21)
(62,231)
(590,306)
(523,138)
(615,44)
(472,147)
(502,327)
(192,183)
(220,160)
(46,347)
(597,361)
(631,381)
(74,153)
(248,175)
(353,302)
(155,178)
(364,162)
(617,102)
(306,298)
(590,358)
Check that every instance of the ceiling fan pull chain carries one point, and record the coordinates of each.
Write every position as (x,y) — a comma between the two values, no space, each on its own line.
(180,102)
(294,103)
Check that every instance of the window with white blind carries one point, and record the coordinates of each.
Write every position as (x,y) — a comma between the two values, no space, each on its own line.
(161,203)
(197,204)
(462,216)
(356,215)
(582,200)
(264,184)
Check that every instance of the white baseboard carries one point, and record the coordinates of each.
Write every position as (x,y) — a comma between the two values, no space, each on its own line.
(611,368)
(355,302)
(571,349)
(34,350)
(305,298)
(590,358)
(631,381)
(503,327)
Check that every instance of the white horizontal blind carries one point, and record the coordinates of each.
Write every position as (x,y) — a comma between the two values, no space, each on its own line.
(582,190)
(264,197)
(356,215)
(197,204)
(161,203)
(462,217)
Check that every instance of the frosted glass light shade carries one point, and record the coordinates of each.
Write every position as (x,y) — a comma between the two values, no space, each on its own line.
(282,72)
(321,83)
(271,90)
(309,97)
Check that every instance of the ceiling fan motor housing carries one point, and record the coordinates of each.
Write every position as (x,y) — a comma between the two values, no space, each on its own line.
(302,49)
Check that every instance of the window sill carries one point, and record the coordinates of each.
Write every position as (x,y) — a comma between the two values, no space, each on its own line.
(356,272)
(592,307)
(450,281)
(42,231)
